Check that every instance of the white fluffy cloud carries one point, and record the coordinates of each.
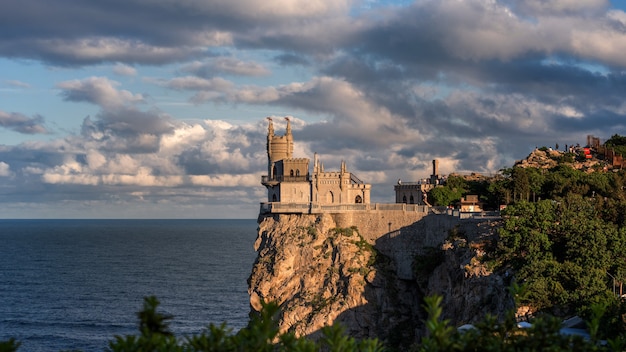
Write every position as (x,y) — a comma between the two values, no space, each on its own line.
(5,170)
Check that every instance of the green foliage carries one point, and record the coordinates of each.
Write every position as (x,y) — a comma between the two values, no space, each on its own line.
(9,346)
(347,231)
(260,335)
(493,335)
(618,143)
(450,193)
(563,252)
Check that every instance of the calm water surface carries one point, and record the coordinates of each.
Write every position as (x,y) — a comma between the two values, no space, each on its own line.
(74,284)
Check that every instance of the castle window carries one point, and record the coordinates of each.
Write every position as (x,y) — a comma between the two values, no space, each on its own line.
(411,200)
(404,199)
(358,199)
(291,172)
(298,172)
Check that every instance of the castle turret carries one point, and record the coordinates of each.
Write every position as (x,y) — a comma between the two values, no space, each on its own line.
(434,178)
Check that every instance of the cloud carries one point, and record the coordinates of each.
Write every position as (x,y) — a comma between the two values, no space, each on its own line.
(387,87)
(71,33)
(98,90)
(22,124)
(124,70)
(197,83)
(5,170)
(17,84)
(225,65)
(561,7)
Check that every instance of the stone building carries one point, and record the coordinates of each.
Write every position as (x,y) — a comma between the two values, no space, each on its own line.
(288,179)
(415,192)
(470,203)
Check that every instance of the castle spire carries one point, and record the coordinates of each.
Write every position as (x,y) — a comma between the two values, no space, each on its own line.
(288,130)
(270,127)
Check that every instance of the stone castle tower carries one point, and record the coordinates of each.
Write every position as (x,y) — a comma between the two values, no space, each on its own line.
(288,179)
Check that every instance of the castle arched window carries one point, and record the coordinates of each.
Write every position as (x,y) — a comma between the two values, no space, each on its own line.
(298,172)
(411,200)
(330,198)
(404,199)
(291,172)
(358,199)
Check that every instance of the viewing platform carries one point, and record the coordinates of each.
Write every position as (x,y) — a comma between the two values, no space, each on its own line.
(311,208)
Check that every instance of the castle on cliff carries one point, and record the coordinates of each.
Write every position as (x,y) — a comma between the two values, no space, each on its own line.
(292,188)
(289,181)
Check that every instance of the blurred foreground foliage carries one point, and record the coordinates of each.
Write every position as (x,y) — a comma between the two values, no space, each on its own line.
(262,335)
(544,334)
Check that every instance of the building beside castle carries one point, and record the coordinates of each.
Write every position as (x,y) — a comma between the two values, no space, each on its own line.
(289,181)
(416,192)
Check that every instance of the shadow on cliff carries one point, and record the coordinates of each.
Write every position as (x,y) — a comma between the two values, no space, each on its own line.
(411,263)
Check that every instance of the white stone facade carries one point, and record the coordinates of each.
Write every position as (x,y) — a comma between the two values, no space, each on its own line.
(289,179)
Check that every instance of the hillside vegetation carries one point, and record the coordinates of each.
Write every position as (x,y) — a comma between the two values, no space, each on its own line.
(563,236)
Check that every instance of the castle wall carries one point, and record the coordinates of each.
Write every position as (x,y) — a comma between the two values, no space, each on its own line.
(337,188)
(373,224)
(295,192)
(295,167)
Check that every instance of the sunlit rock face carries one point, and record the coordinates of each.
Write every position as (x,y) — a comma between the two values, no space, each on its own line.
(321,274)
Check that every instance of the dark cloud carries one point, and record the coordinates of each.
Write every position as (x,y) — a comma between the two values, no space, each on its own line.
(23,124)
(73,32)
(292,60)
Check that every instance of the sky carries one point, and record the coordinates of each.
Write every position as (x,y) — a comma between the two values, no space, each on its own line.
(156,108)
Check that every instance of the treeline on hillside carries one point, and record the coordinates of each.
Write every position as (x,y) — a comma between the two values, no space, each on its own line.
(563,235)
(533,184)
(618,143)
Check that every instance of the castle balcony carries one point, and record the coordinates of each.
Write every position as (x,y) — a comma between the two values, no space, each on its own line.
(273,181)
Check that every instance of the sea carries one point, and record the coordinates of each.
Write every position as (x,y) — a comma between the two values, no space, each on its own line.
(75,284)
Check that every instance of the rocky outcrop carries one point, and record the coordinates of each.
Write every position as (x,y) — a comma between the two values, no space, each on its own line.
(469,289)
(548,159)
(321,274)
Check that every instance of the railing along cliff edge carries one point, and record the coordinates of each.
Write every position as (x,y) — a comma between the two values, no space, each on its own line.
(311,208)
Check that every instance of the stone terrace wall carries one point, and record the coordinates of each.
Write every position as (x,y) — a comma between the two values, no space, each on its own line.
(401,235)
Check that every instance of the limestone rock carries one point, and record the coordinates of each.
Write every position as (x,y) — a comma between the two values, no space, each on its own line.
(320,274)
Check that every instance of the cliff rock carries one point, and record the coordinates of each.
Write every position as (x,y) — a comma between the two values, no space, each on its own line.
(321,274)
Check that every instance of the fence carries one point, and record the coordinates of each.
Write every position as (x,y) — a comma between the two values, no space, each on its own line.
(311,208)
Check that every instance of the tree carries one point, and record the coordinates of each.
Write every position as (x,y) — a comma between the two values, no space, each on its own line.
(563,250)
(521,184)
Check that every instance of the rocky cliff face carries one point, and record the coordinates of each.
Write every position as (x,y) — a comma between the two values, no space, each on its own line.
(320,274)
